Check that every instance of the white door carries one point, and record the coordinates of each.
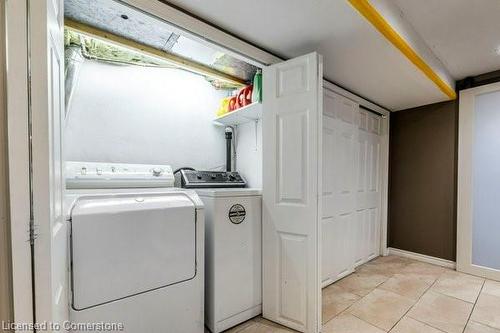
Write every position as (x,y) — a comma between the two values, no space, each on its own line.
(47,103)
(351,186)
(291,187)
(368,184)
(478,226)
(339,215)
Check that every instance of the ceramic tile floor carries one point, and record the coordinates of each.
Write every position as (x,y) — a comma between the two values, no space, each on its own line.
(399,295)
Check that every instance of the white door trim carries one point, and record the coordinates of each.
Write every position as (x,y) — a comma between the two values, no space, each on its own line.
(18,155)
(384,179)
(465,182)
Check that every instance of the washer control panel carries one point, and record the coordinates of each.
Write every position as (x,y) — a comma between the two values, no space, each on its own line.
(202,179)
(94,175)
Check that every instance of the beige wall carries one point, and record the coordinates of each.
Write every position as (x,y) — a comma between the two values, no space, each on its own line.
(5,284)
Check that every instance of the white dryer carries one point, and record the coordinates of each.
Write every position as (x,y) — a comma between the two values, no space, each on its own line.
(137,249)
(233,255)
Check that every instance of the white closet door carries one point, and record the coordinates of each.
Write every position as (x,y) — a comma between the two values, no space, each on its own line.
(47,96)
(368,186)
(291,189)
(339,119)
(351,187)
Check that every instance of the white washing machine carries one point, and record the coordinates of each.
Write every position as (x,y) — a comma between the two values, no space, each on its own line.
(136,248)
(233,256)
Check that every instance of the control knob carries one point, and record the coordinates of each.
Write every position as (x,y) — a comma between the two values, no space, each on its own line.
(157,172)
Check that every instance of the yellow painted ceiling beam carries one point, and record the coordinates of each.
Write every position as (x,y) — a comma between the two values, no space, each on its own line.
(381,24)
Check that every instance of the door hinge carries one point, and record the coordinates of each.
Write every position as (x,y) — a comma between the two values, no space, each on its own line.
(33,233)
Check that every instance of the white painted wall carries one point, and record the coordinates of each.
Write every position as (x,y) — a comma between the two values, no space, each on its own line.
(132,114)
(249,152)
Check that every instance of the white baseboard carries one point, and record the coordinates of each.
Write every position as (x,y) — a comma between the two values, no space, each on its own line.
(422,257)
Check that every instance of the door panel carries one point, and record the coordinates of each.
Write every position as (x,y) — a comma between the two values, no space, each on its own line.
(328,165)
(368,196)
(362,164)
(291,187)
(327,249)
(360,232)
(478,227)
(47,96)
(59,231)
(293,275)
(351,157)
(374,239)
(292,150)
(486,181)
(342,231)
(338,180)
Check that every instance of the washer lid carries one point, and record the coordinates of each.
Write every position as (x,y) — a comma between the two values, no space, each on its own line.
(123,245)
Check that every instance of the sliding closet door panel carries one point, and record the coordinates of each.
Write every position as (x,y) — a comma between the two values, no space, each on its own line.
(373,200)
(351,186)
(339,215)
(368,184)
(344,158)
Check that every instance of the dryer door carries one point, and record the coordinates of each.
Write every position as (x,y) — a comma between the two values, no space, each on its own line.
(123,245)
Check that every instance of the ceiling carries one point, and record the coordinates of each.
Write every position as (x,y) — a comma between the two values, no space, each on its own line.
(358,57)
(462,33)
(109,16)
